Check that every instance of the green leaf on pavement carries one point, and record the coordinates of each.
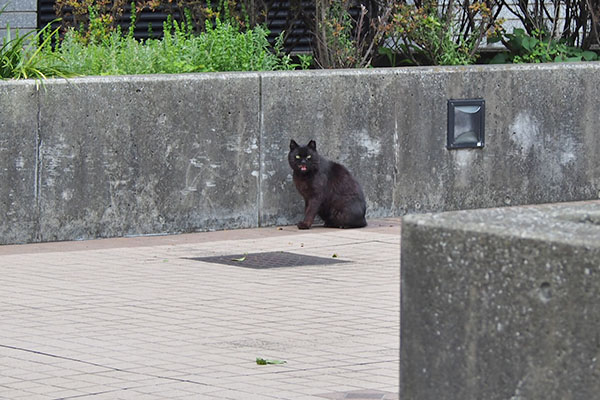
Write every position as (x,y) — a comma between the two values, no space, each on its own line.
(262,361)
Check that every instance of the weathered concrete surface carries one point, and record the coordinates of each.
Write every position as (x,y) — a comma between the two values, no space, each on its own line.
(141,155)
(389,127)
(501,303)
(540,133)
(354,127)
(18,163)
(165,154)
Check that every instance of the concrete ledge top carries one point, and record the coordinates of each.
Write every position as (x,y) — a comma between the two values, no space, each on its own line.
(576,223)
(320,73)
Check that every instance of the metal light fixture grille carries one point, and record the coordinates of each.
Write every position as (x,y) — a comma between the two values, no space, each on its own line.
(466,123)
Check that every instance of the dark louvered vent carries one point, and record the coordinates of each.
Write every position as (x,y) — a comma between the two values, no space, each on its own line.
(280,18)
(45,12)
(294,24)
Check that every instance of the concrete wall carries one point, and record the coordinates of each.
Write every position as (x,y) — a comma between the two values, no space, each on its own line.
(112,156)
(501,304)
(18,14)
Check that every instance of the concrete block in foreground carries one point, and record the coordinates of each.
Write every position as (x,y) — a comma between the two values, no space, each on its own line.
(501,303)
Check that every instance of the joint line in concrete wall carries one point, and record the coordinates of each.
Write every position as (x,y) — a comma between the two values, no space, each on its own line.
(261,156)
(38,163)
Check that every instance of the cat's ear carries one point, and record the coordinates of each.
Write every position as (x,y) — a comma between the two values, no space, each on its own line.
(313,145)
(293,144)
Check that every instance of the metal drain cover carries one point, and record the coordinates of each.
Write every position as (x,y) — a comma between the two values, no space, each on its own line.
(274,259)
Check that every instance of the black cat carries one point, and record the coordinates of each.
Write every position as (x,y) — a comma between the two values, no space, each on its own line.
(328,189)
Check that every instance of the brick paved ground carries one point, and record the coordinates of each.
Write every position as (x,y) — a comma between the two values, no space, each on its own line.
(137,318)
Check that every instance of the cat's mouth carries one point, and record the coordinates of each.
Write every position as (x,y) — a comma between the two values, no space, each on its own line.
(303,168)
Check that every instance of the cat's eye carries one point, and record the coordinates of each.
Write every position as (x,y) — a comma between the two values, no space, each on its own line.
(297,157)
(308,157)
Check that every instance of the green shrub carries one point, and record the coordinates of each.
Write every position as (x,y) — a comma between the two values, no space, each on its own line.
(429,32)
(341,41)
(538,48)
(222,47)
(29,55)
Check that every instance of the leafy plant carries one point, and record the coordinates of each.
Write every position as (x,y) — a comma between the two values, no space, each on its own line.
(343,42)
(306,60)
(221,47)
(245,13)
(28,56)
(448,33)
(574,22)
(335,47)
(94,18)
(538,48)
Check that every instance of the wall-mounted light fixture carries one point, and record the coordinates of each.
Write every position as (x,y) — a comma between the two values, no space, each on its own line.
(466,123)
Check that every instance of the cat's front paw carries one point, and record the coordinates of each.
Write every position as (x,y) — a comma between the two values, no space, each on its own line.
(303,225)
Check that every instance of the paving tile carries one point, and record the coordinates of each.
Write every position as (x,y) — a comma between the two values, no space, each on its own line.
(135,318)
